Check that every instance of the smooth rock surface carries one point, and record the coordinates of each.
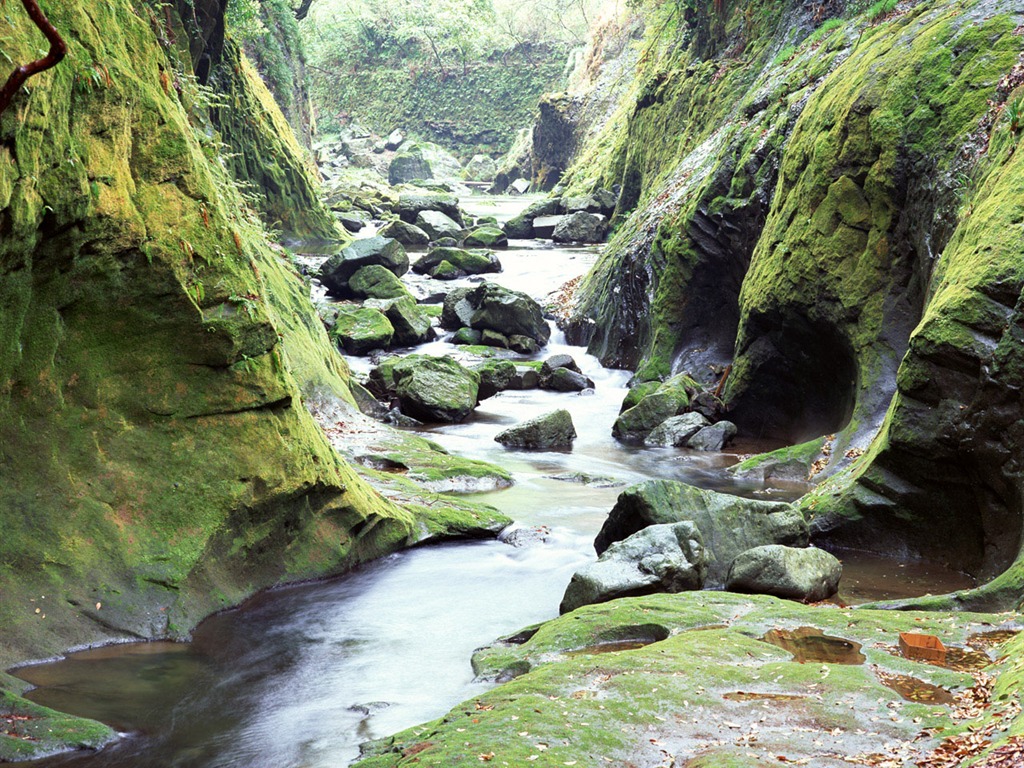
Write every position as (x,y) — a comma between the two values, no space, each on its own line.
(806,574)
(545,432)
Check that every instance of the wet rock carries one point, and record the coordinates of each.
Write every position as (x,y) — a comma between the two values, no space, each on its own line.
(396,418)
(519,187)
(525,378)
(507,311)
(544,226)
(406,234)
(360,330)
(352,221)
(730,524)
(525,537)
(467,262)
(493,339)
(435,389)
(707,404)
(555,362)
(549,431)
(584,478)
(495,376)
(660,558)
(524,345)
(377,282)
(676,431)
(713,438)
(422,160)
(457,311)
(383,251)
(444,242)
(518,227)
(480,168)
(487,236)
(411,322)
(394,141)
(566,380)
(466,337)
(579,227)
(635,424)
(806,574)
(521,226)
(437,225)
(412,204)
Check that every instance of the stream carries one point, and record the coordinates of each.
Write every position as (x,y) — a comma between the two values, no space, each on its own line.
(298,677)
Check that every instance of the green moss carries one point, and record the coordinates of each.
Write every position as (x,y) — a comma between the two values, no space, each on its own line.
(29,731)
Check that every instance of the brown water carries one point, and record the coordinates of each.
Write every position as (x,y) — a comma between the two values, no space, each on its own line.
(809,644)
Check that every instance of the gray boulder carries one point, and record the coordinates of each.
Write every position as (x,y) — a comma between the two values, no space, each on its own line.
(480,168)
(713,438)
(408,165)
(552,430)
(807,574)
(677,430)
(730,524)
(508,312)
(437,225)
(544,226)
(435,389)
(351,220)
(382,251)
(466,337)
(579,227)
(412,204)
(457,310)
(634,424)
(565,380)
(394,141)
(405,233)
(660,558)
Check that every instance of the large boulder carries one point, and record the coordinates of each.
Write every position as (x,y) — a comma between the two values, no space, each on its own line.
(405,233)
(677,430)
(551,430)
(660,558)
(438,225)
(495,375)
(806,574)
(359,330)
(382,251)
(521,226)
(411,321)
(635,424)
(480,168)
(457,310)
(509,312)
(467,262)
(579,227)
(730,524)
(422,160)
(435,389)
(377,282)
(412,204)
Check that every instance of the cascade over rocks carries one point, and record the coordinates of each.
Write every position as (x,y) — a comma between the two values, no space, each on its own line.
(729,524)
(660,558)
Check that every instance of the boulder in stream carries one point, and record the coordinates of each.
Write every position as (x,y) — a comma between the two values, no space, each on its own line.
(579,227)
(412,204)
(382,251)
(553,430)
(438,225)
(405,233)
(435,389)
(495,376)
(487,236)
(508,312)
(474,262)
(411,322)
(712,438)
(806,574)
(360,330)
(377,282)
(730,524)
(660,558)
(677,430)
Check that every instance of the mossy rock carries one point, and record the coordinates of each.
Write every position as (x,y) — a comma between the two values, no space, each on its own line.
(549,431)
(377,282)
(435,389)
(406,234)
(486,237)
(32,731)
(411,322)
(465,261)
(360,330)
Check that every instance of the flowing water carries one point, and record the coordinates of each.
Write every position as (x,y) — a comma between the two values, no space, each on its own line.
(299,677)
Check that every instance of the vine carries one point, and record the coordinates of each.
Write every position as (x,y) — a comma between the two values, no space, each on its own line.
(58,50)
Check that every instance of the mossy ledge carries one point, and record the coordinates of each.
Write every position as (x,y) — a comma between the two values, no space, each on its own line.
(156,461)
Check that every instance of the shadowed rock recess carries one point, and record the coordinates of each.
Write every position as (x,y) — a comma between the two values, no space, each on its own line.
(839,236)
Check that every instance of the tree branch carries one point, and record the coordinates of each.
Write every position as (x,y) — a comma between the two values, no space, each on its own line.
(58,49)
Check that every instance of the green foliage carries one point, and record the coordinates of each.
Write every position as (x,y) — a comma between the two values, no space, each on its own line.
(1015,114)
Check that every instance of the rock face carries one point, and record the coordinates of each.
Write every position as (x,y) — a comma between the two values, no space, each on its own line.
(435,389)
(551,430)
(805,574)
(381,251)
(730,524)
(660,558)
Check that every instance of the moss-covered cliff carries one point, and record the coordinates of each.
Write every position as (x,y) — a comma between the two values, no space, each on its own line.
(824,204)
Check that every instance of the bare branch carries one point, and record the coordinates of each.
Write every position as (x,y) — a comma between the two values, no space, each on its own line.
(58,50)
